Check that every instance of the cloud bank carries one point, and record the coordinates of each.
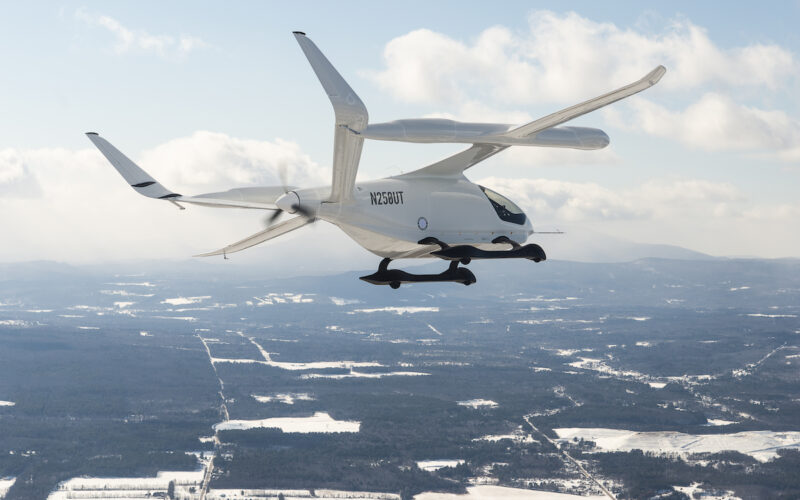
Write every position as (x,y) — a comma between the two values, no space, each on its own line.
(72,205)
(562,59)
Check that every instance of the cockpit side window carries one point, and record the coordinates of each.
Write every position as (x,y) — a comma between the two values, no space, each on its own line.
(505,208)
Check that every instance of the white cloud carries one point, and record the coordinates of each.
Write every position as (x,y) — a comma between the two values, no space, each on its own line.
(715,123)
(565,57)
(214,161)
(559,201)
(16,179)
(83,210)
(712,217)
(128,40)
(562,201)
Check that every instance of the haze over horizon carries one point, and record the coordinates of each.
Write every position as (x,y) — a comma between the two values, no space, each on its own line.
(216,97)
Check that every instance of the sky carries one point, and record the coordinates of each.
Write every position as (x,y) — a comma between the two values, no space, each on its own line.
(210,95)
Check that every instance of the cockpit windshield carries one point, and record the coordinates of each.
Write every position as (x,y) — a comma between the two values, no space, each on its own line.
(505,208)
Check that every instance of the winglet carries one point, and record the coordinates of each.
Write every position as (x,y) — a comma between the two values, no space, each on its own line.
(348,107)
(138,179)
(655,76)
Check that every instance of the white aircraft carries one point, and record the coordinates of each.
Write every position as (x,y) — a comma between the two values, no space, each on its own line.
(433,212)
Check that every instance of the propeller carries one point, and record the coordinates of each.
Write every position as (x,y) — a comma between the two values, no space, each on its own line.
(289,202)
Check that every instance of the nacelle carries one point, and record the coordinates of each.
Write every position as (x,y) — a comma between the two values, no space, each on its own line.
(438,130)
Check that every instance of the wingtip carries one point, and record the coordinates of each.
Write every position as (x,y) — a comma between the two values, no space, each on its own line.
(208,254)
(303,33)
(92,133)
(655,75)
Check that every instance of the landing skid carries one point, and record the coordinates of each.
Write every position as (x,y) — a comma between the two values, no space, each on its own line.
(457,254)
(465,253)
(395,277)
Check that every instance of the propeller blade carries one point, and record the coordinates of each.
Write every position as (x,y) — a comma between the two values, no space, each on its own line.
(283,175)
(272,218)
(301,210)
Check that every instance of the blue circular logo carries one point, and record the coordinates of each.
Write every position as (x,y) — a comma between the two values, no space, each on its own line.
(422,223)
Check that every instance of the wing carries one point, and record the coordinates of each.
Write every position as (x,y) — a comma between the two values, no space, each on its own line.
(257,197)
(351,119)
(262,236)
(496,141)
(456,164)
(577,110)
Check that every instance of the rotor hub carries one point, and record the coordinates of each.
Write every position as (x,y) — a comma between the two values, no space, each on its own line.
(288,202)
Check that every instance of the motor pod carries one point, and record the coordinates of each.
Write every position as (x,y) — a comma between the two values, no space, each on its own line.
(288,202)
(305,203)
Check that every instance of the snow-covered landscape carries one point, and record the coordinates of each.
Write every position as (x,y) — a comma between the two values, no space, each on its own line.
(519,394)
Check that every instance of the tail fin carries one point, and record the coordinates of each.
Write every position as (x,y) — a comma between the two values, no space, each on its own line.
(351,120)
(347,106)
(135,176)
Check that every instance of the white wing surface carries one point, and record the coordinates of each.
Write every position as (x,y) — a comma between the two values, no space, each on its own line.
(456,164)
(567,114)
(489,139)
(261,236)
(351,119)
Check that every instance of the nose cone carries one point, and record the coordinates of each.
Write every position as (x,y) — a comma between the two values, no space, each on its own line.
(288,202)
(598,140)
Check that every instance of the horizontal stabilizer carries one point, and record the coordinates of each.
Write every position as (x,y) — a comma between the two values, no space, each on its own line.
(261,236)
(135,176)
(262,198)
(248,197)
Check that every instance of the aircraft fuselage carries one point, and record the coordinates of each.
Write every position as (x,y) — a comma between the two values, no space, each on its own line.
(389,216)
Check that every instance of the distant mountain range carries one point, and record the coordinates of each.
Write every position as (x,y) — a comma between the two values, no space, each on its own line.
(590,246)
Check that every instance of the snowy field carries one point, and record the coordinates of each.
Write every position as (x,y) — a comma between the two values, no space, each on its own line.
(5,485)
(761,445)
(98,488)
(488,492)
(434,465)
(319,422)
(184,301)
(518,436)
(355,374)
(227,494)
(314,365)
(478,403)
(397,310)
(696,491)
(288,398)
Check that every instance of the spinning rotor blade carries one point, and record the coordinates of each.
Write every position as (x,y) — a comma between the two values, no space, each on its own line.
(270,219)
(296,209)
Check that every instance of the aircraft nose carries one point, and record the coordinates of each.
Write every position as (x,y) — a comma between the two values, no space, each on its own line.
(288,202)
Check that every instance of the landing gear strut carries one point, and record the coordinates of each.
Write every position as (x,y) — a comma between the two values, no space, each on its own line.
(463,253)
(395,277)
(459,254)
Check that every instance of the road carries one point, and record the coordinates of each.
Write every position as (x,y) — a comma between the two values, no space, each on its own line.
(568,457)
